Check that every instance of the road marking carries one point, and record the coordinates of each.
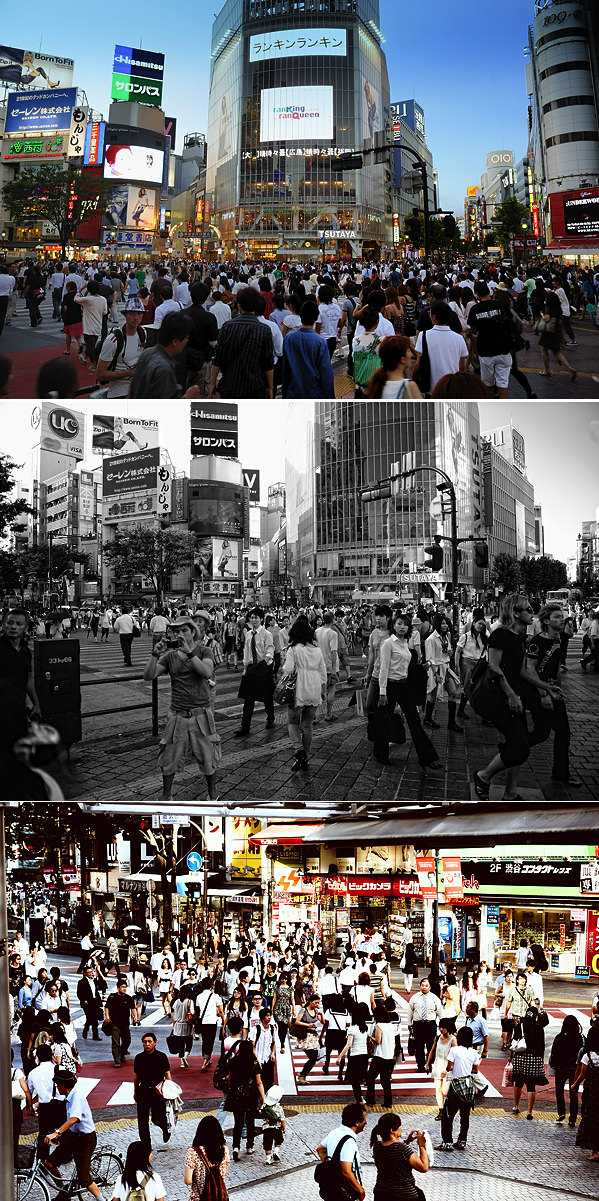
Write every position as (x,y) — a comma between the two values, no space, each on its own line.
(285,1072)
(123,1095)
(87,1083)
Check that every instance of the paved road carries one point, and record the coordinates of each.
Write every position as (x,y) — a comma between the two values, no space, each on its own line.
(118,752)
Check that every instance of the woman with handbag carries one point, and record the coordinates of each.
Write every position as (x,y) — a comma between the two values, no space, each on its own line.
(356,1049)
(396,682)
(306,1030)
(183,1014)
(282,1007)
(245,1094)
(209,1012)
(304,661)
(551,330)
(209,1149)
(527,1058)
(439,652)
(436,1062)
(471,647)
(520,998)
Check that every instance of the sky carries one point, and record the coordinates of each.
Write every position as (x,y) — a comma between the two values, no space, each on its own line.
(462,62)
(561,440)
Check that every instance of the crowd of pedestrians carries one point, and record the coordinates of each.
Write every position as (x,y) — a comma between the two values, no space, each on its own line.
(403,328)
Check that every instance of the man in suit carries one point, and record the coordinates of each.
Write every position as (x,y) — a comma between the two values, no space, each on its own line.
(88,994)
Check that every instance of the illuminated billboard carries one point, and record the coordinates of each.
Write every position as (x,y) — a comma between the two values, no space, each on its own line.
(62,430)
(581,215)
(216,509)
(43,112)
(123,435)
(137,75)
(322,42)
(123,161)
(28,69)
(297,114)
(93,151)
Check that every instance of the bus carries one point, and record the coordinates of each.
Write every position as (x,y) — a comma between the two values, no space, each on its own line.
(561,596)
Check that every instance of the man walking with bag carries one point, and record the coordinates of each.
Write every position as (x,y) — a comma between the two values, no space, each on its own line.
(342,1178)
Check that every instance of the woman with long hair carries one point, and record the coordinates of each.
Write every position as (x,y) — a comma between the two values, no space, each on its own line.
(393,309)
(439,652)
(527,1058)
(138,1171)
(397,657)
(308,1019)
(472,645)
(183,1014)
(564,1061)
(305,658)
(587,1073)
(244,1093)
(282,1007)
(551,329)
(468,988)
(390,381)
(499,697)
(356,1048)
(237,1006)
(208,1150)
(383,1060)
(436,1062)
(396,1160)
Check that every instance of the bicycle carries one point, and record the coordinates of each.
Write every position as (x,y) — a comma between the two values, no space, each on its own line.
(36,1183)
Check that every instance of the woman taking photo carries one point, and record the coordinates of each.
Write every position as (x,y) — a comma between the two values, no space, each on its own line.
(436,1063)
(183,1014)
(306,659)
(356,1049)
(307,1029)
(208,1150)
(397,657)
(439,652)
(396,1160)
(138,1172)
(499,696)
(244,1095)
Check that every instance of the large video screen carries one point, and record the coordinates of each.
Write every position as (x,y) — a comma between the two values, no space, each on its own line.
(299,114)
(133,162)
(581,215)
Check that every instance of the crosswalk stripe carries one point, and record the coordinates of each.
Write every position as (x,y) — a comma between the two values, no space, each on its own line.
(88,1083)
(123,1094)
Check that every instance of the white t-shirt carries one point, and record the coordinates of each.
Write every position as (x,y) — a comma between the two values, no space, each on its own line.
(349,1152)
(291,321)
(462,1061)
(207,1005)
(153,1189)
(329,316)
(359,1037)
(129,356)
(445,349)
(94,308)
(384,329)
(386,1048)
(167,306)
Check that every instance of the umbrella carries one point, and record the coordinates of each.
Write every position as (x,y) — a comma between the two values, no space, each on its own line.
(131,927)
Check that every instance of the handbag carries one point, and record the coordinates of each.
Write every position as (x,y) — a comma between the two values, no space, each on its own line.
(107,1027)
(136,631)
(418,679)
(284,693)
(422,373)
(411,1044)
(172,1042)
(370,1044)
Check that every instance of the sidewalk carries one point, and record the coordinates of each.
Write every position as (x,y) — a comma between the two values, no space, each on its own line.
(342,769)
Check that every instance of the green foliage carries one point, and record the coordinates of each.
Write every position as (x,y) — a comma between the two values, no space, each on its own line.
(49,193)
(154,553)
(506,570)
(10,510)
(543,575)
(508,219)
(35,561)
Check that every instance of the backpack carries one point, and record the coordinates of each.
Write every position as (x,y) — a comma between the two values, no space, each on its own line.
(120,336)
(220,1078)
(139,1192)
(214,1188)
(332,1184)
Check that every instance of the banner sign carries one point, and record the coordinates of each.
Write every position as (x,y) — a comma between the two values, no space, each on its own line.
(93,150)
(77,132)
(398,886)
(28,69)
(251,480)
(214,413)
(19,148)
(123,435)
(223,443)
(516,872)
(62,430)
(137,75)
(452,878)
(589,878)
(331,43)
(127,239)
(427,875)
(42,112)
(131,473)
(213,833)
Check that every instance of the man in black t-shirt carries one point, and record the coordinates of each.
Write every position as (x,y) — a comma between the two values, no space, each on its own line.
(150,1069)
(438,292)
(118,1009)
(493,339)
(546,703)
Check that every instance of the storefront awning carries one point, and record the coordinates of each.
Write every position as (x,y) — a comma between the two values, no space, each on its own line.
(291,834)
(563,247)
(475,826)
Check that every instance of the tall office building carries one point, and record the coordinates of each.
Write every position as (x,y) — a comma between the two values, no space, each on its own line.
(562,78)
(337,545)
(508,495)
(292,86)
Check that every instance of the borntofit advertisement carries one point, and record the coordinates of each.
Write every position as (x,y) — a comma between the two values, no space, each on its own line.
(321,42)
(296,114)
(123,435)
(62,430)
(26,69)
(43,112)
(123,161)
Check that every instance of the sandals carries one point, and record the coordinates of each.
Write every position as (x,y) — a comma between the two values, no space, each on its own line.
(481,787)
(515,1111)
(547,374)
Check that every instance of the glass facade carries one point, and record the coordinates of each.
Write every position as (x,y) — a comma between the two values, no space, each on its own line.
(281,195)
(336,544)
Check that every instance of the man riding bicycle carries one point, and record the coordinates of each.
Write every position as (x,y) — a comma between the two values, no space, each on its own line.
(77,1134)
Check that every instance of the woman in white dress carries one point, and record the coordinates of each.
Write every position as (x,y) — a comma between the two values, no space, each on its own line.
(436,1063)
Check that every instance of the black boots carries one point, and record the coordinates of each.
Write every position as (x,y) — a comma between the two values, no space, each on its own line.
(428,716)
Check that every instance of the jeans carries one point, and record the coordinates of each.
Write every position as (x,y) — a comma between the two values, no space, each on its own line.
(242,1117)
(56,301)
(356,1071)
(126,641)
(453,1104)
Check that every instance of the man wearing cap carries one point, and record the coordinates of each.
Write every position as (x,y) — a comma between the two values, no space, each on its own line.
(191,725)
(121,351)
(76,1137)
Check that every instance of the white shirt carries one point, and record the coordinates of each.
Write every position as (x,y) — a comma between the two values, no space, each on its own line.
(7,284)
(536,984)
(181,293)
(167,306)
(329,316)
(328,641)
(124,625)
(359,1037)
(221,311)
(384,328)
(41,1082)
(153,1189)
(386,1048)
(445,349)
(94,310)
(462,1060)
(277,337)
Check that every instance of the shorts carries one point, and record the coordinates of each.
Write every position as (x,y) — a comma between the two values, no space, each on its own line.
(507,1025)
(196,734)
(74,331)
(495,370)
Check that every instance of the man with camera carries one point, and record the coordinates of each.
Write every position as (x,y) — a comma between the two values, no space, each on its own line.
(185,656)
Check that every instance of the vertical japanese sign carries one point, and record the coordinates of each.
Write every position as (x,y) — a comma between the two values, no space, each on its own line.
(452,878)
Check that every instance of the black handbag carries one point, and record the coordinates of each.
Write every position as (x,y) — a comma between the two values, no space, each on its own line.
(411,1044)
(417,679)
(422,374)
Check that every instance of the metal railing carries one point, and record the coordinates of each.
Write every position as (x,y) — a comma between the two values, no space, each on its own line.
(151,704)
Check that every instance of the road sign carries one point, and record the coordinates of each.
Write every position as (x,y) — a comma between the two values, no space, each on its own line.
(194,861)
(174,819)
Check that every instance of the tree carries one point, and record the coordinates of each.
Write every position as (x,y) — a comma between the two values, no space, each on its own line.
(508,219)
(49,193)
(10,576)
(10,510)
(150,551)
(506,570)
(543,575)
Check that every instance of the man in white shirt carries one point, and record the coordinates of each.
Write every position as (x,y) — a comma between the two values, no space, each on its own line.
(124,626)
(168,305)
(219,309)
(447,350)
(57,282)
(353,1121)
(7,287)
(328,641)
(40,1083)
(536,983)
(424,1010)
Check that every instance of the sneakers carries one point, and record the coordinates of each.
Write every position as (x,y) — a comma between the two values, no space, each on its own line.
(444,1147)
(276,1157)
(236,1154)
(460,1145)
(249,1150)
(269,1159)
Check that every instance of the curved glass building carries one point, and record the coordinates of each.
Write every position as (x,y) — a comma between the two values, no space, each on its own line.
(295,83)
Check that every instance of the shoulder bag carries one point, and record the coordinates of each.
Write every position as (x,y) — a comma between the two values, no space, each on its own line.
(332,1184)
(422,374)
(284,693)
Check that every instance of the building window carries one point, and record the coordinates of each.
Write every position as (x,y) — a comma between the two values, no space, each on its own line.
(561,138)
(566,102)
(565,35)
(583,65)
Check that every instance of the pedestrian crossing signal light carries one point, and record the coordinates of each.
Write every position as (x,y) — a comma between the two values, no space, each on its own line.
(481,554)
(435,553)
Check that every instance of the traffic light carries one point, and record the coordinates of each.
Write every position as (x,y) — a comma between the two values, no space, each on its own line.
(413,228)
(435,553)
(348,162)
(481,554)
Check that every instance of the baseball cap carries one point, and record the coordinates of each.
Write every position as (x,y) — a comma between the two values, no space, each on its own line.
(133,305)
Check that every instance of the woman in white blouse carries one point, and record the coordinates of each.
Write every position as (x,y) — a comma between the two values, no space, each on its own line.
(439,652)
(398,654)
(471,646)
